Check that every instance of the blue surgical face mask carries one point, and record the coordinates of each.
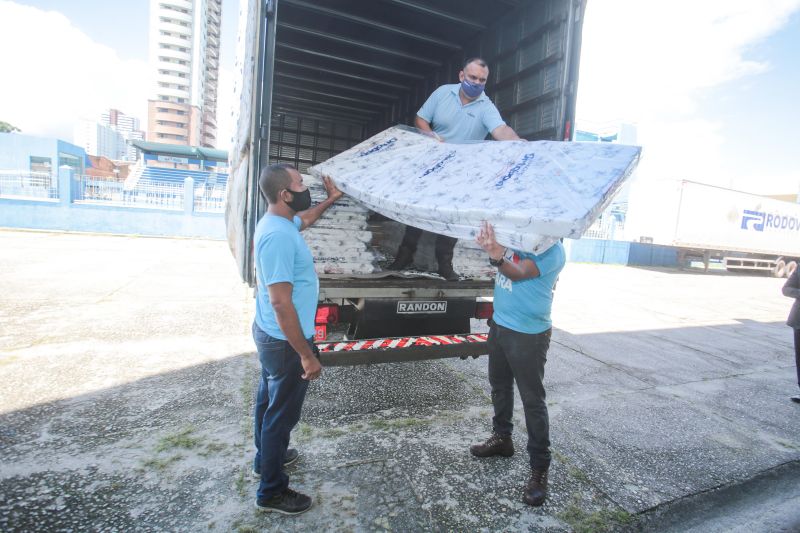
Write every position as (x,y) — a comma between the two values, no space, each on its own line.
(472,90)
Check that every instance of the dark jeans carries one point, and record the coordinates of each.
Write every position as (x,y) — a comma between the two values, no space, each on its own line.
(444,244)
(280,398)
(521,357)
(797,354)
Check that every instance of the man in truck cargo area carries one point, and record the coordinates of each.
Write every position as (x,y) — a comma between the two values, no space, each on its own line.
(519,337)
(283,329)
(455,113)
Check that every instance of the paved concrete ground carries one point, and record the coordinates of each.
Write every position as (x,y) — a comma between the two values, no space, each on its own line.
(127,376)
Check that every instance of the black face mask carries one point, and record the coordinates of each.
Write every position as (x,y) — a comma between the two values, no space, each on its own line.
(300,200)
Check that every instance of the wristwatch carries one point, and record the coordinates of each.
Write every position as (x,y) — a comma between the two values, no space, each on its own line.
(497,262)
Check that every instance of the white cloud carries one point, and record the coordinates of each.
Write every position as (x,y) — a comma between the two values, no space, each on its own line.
(649,63)
(54,74)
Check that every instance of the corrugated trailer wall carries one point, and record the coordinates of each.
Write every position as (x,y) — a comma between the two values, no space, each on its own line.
(528,51)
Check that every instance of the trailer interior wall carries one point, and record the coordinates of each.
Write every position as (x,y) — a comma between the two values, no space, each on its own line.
(346,69)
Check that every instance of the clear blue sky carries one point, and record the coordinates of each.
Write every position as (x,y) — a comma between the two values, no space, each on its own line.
(761,114)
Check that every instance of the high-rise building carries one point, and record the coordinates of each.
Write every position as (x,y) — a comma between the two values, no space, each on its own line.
(184,55)
(98,139)
(109,135)
(127,126)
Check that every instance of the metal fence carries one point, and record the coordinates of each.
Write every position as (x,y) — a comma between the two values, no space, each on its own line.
(93,190)
(146,193)
(28,185)
(209,199)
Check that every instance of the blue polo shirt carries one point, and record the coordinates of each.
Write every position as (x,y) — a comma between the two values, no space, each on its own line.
(282,255)
(457,123)
(524,306)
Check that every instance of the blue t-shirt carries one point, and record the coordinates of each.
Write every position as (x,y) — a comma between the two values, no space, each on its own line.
(457,123)
(524,305)
(282,256)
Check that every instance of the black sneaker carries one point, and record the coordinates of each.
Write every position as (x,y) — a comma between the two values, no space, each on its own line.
(287,502)
(291,457)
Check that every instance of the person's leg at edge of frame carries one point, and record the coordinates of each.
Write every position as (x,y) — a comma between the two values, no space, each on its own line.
(797,353)
(501,381)
(527,357)
(287,390)
(796,397)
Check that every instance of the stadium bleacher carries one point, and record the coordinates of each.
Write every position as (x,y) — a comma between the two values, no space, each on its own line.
(202,178)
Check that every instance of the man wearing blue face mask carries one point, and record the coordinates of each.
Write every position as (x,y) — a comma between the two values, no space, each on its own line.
(455,113)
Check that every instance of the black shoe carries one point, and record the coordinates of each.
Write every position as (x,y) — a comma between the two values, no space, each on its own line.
(446,271)
(404,259)
(494,445)
(796,399)
(536,490)
(291,456)
(287,502)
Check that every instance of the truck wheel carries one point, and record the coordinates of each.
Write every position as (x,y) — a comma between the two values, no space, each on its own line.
(790,268)
(780,268)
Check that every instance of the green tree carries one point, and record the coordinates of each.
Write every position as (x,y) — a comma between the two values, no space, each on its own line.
(5,127)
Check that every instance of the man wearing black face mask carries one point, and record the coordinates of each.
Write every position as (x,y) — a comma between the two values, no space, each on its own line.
(455,113)
(283,329)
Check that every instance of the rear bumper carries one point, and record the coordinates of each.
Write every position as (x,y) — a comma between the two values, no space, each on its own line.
(401,349)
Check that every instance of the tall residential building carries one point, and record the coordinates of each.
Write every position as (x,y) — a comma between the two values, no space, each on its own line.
(127,126)
(109,135)
(184,55)
(98,139)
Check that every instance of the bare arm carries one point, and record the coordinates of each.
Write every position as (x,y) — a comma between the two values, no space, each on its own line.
(425,127)
(525,269)
(505,133)
(280,296)
(311,215)
(792,286)
(422,124)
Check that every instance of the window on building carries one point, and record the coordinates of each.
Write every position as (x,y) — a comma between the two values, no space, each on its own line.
(74,162)
(41,164)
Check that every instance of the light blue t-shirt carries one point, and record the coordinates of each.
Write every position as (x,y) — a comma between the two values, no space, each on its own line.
(282,256)
(524,306)
(456,123)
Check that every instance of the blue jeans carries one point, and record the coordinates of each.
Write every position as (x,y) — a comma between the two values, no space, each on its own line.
(520,357)
(281,392)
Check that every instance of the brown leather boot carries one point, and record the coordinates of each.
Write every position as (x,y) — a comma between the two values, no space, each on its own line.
(494,445)
(536,489)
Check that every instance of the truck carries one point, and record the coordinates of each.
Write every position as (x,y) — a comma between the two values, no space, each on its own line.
(318,77)
(743,231)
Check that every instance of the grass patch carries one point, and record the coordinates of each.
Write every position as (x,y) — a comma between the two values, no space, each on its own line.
(302,432)
(241,483)
(601,521)
(333,433)
(162,463)
(212,448)
(182,439)
(578,474)
(399,423)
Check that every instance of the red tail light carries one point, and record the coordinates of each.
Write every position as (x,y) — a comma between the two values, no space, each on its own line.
(484,310)
(327,314)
